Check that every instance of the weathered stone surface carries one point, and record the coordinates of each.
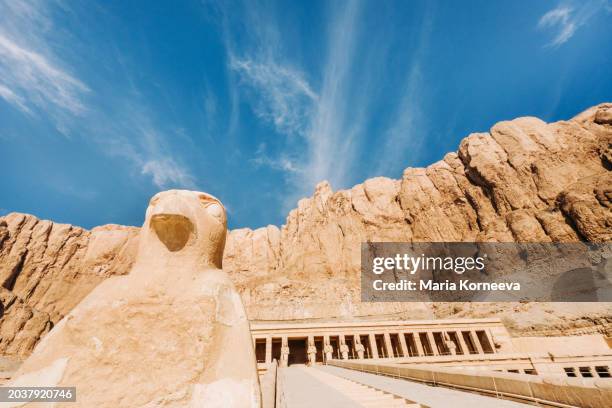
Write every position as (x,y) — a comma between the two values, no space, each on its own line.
(525,181)
(588,204)
(173,332)
(22,326)
(604,116)
(47,268)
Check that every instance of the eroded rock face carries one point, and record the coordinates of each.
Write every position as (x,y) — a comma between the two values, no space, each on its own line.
(172,332)
(524,181)
(47,268)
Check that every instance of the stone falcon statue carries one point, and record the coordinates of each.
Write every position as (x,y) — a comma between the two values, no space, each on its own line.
(171,333)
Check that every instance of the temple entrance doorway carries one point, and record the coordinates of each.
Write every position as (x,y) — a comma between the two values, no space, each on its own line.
(413,351)
(350,342)
(381,346)
(319,345)
(260,350)
(276,349)
(365,340)
(297,351)
(395,345)
(335,343)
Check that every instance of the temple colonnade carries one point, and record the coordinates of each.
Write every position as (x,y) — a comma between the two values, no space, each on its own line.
(319,342)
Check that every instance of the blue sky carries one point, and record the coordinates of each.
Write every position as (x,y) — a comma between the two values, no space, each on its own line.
(102,105)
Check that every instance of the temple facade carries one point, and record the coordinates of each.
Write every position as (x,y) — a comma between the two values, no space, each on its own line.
(472,344)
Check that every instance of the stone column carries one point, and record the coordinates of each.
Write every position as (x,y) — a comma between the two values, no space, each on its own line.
(417,342)
(462,343)
(342,339)
(432,343)
(476,341)
(403,345)
(388,345)
(491,342)
(268,349)
(373,347)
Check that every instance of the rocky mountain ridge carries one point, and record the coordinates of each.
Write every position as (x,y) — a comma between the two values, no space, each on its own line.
(524,181)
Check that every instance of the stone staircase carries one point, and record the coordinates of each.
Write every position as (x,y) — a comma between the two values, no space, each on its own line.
(363,395)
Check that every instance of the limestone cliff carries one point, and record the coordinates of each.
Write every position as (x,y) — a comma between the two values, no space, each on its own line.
(524,181)
(46,269)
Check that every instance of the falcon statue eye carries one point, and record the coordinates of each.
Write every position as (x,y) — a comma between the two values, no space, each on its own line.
(216,211)
(213,207)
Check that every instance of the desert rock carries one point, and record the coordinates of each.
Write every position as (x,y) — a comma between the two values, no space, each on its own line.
(524,180)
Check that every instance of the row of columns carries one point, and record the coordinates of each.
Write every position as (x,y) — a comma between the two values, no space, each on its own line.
(404,349)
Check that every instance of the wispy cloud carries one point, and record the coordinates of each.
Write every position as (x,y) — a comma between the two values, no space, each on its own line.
(321,124)
(166,172)
(560,18)
(33,80)
(31,76)
(134,136)
(407,125)
(333,127)
(11,97)
(330,117)
(565,19)
(283,163)
(406,128)
(284,97)
(211,111)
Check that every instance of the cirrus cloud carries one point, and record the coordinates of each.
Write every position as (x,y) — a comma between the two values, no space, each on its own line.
(565,20)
